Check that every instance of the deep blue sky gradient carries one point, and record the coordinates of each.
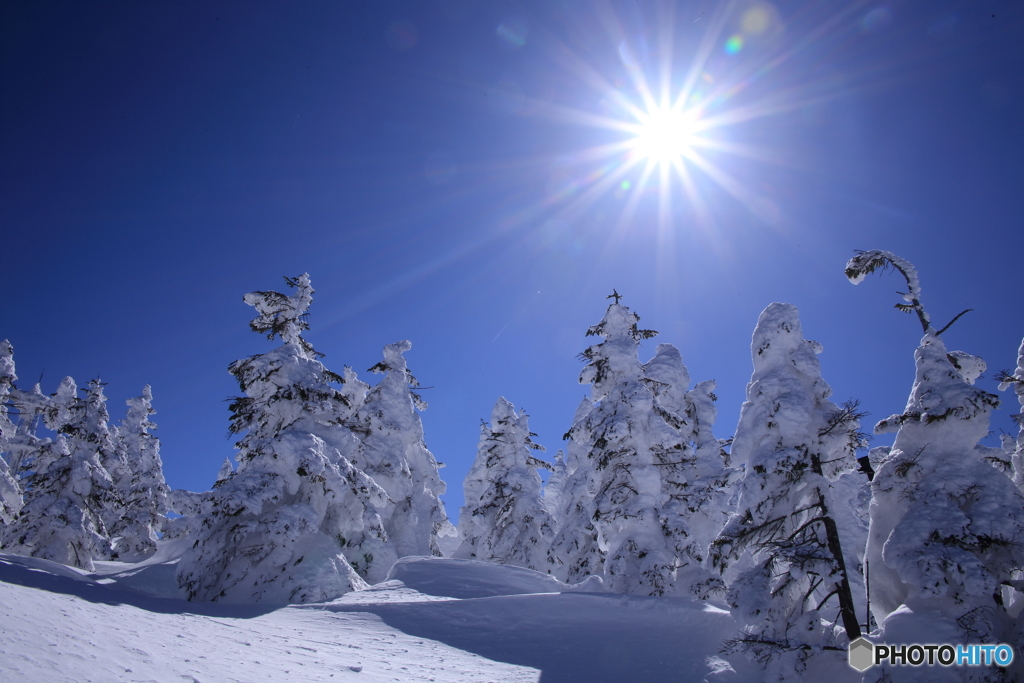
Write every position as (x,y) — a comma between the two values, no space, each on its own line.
(160,159)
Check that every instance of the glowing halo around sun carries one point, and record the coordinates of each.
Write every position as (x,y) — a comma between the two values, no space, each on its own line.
(664,135)
(673,110)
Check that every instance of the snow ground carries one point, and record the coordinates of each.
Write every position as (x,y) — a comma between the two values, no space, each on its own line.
(450,621)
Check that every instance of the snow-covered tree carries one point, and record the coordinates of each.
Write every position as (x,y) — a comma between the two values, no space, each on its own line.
(371,551)
(141,487)
(69,494)
(1014,447)
(92,431)
(1012,463)
(279,528)
(696,478)
(504,519)
(947,528)
(553,488)
(392,451)
(30,407)
(225,472)
(794,441)
(353,389)
(575,552)
(619,519)
(10,491)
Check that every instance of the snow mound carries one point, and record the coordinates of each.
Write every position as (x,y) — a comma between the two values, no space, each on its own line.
(67,625)
(464,579)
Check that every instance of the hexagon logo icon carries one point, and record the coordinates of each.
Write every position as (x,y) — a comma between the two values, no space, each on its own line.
(862,654)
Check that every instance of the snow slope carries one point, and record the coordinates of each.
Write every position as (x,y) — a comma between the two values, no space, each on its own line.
(450,621)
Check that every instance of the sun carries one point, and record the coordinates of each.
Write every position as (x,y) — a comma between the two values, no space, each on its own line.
(674,115)
(664,135)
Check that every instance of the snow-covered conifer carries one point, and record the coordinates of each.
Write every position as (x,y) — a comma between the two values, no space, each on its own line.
(947,528)
(504,519)
(353,389)
(142,489)
(696,480)
(392,451)
(225,472)
(1014,448)
(553,488)
(31,407)
(575,553)
(92,431)
(10,491)
(279,528)
(794,441)
(617,521)
(371,551)
(1012,461)
(69,494)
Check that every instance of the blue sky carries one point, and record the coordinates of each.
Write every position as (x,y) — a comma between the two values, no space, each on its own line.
(461,174)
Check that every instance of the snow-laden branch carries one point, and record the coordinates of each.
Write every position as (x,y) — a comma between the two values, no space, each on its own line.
(866,262)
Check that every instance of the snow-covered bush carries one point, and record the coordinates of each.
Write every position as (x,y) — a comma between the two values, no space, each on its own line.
(393,452)
(504,519)
(278,529)
(947,528)
(794,441)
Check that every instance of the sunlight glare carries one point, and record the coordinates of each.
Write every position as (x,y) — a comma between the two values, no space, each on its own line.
(675,114)
(664,135)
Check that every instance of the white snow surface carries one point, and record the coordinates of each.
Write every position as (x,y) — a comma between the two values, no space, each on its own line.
(450,621)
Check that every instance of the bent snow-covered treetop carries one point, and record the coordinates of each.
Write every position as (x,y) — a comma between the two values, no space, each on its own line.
(282,315)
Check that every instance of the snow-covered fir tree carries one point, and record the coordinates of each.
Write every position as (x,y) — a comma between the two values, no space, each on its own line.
(141,487)
(504,519)
(619,520)
(10,492)
(372,550)
(30,407)
(96,432)
(353,389)
(575,552)
(794,441)
(947,528)
(279,529)
(1014,447)
(225,472)
(393,452)
(69,494)
(553,489)
(696,479)
(1012,459)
